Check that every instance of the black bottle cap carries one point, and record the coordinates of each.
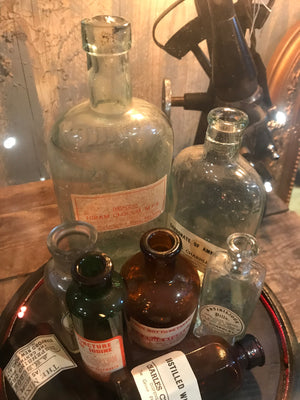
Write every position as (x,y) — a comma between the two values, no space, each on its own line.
(253,351)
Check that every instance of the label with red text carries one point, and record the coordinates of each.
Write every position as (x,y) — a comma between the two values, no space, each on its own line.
(102,357)
(166,377)
(159,338)
(112,211)
(36,363)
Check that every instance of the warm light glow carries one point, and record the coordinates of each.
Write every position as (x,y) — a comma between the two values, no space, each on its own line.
(280,118)
(10,142)
(22,311)
(109,19)
(136,116)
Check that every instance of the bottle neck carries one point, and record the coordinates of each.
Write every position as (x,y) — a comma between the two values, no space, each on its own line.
(160,248)
(220,145)
(93,273)
(109,83)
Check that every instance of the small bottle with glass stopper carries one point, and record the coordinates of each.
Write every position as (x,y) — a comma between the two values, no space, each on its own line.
(231,288)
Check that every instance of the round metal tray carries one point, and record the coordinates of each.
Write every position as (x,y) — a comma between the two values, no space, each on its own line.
(276,380)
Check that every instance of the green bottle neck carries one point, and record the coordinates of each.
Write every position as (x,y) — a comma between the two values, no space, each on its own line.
(109,83)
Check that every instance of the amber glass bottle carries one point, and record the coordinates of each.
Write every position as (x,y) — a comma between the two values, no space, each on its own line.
(209,372)
(163,289)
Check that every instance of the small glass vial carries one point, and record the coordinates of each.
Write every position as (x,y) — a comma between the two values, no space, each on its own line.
(66,242)
(95,300)
(163,291)
(231,288)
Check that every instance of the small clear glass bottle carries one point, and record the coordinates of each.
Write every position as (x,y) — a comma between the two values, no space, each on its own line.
(66,242)
(110,156)
(214,191)
(231,288)
(163,291)
(95,299)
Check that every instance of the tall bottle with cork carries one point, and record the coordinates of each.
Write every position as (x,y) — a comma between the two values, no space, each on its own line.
(110,156)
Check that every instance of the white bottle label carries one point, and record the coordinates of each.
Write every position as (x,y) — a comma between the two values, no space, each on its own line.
(159,338)
(102,357)
(167,377)
(221,320)
(111,211)
(197,249)
(34,364)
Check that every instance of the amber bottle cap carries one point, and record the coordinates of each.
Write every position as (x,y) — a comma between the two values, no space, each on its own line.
(253,351)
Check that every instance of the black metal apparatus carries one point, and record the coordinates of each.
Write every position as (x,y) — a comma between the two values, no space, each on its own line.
(236,72)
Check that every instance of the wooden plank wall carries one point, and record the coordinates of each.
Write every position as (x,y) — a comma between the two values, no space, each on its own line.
(43,70)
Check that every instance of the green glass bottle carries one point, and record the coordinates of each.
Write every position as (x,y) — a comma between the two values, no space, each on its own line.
(95,300)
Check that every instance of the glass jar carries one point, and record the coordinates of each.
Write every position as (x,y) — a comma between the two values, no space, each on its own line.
(231,288)
(95,299)
(162,291)
(110,156)
(66,242)
(214,191)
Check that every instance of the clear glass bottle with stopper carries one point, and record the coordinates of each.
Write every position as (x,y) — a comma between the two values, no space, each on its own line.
(110,156)
(231,288)
(214,191)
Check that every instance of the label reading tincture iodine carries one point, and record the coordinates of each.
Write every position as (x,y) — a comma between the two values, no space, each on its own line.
(169,377)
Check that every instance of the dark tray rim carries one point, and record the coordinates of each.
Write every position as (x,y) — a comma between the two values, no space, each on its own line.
(287,341)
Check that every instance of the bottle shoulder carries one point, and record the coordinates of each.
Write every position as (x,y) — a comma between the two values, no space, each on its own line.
(87,305)
(81,128)
(192,166)
(140,113)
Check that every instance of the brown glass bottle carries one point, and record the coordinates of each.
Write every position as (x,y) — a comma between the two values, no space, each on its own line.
(163,290)
(210,372)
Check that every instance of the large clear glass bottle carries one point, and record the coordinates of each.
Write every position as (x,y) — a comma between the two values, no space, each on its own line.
(66,242)
(95,299)
(162,291)
(214,191)
(110,157)
(208,372)
(231,288)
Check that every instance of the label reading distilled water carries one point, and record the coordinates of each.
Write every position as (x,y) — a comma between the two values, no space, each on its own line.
(167,377)
(197,249)
(102,357)
(35,364)
(221,320)
(112,211)
(159,338)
